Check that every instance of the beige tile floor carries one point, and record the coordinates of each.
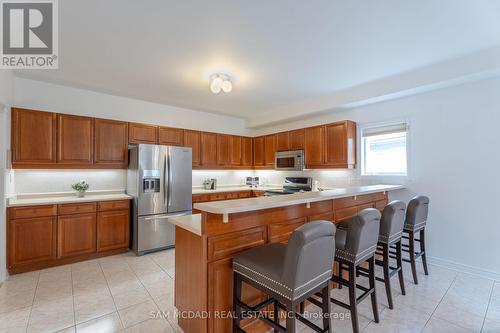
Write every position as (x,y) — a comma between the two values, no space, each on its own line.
(123,292)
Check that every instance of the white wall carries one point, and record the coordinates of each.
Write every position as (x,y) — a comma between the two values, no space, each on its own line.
(62,99)
(6,97)
(454,159)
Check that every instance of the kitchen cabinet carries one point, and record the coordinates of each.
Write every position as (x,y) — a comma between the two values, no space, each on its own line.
(171,136)
(142,133)
(31,241)
(283,141)
(314,146)
(75,140)
(258,151)
(33,138)
(111,143)
(193,139)
(246,152)
(113,230)
(223,149)
(270,150)
(76,235)
(296,139)
(340,144)
(235,150)
(208,149)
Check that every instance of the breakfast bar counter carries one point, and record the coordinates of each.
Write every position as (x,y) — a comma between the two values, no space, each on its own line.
(207,242)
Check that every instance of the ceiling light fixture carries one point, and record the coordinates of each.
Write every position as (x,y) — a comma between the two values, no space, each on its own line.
(220,82)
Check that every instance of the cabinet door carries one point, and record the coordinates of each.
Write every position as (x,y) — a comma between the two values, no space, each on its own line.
(282,141)
(193,139)
(33,138)
(235,150)
(296,139)
(315,146)
(223,149)
(270,149)
(258,151)
(246,152)
(76,235)
(75,140)
(113,229)
(111,143)
(208,149)
(141,133)
(340,144)
(31,240)
(171,136)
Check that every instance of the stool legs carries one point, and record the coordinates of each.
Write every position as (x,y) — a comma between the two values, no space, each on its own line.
(387,277)
(290,317)
(327,308)
(413,262)
(276,314)
(371,278)
(352,298)
(422,250)
(236,297)
(399,261)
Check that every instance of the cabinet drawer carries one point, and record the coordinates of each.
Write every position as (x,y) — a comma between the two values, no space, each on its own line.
(233,195)
(201,198)
(225,246)
(380,205)
(113,205)
(345,213)
(67,209)
(359,200)
(246,194)
(32,211)
(281,232)
(218,196)
(321,217)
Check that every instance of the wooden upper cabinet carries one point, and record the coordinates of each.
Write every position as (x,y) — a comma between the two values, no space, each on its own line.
(171,136)
(258,151)
(193,139)
(141,133)
(235,150)
(270,149)
(246,152)
(283,141)
(223,149)
(75,140)
(33,138)
(111,143)
(296,139)
(208,149)
(340,144)
(315,146)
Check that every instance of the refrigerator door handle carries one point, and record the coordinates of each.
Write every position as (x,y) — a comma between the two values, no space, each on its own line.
(165,181)
(169,179)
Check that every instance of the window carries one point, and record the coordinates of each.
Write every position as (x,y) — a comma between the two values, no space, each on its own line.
(384,150)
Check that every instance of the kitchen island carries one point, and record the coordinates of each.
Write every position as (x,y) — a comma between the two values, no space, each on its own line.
(207,242)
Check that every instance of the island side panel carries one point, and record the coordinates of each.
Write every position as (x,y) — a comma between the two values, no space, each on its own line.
(190,279)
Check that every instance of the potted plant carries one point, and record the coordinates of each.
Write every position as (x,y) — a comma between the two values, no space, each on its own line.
(80,188)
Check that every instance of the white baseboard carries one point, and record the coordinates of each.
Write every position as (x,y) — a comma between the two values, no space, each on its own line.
(464,268)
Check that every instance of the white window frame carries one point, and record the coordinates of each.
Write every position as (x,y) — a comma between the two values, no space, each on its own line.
(362,157)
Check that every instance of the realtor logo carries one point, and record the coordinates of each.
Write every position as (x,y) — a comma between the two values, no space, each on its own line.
(29,34)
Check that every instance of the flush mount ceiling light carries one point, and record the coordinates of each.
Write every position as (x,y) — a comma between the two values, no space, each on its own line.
(220,82)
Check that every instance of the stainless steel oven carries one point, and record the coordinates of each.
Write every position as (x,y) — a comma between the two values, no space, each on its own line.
(289,160)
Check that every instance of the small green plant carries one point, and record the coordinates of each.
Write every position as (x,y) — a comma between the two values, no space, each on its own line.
(81,186)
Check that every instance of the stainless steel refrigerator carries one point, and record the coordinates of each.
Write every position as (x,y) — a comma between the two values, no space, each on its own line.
(160,180)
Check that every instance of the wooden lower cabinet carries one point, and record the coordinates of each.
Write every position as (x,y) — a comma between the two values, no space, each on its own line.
(31,240)
(76,235)
(51,235)
(113,230)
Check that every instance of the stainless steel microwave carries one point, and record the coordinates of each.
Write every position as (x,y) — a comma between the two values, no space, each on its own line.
(289,160)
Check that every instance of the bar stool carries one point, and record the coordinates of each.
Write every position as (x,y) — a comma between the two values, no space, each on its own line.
(391,232)
(289,274)
(416,219)
(355,243)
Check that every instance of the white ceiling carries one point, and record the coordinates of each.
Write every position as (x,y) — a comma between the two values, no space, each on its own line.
(279,53)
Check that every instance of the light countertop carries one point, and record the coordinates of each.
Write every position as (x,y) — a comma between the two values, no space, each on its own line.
(234,188)
(251,204)
(64,198)
(189,222)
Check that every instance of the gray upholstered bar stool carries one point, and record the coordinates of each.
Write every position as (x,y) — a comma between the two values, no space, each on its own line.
(416,219)
(289,274)
(355,243)
(391,232)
